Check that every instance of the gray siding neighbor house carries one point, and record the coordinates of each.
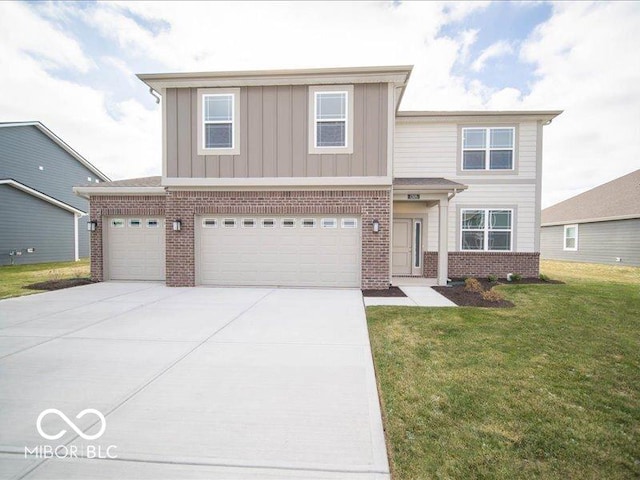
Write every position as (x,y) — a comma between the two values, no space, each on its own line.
(41,219)
(601,225)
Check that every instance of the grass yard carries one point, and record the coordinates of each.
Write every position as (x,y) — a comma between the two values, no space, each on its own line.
(14,277)
(548,389)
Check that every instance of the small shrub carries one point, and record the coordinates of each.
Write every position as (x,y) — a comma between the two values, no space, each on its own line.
(544,277)
(492,278)
(516,277)
(472,285)
(492,296)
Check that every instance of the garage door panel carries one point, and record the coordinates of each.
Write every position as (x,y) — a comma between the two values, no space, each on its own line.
(134,252)
(279,255)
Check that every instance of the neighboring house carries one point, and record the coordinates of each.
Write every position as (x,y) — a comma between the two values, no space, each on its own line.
(41,219)
(313,178)
(601,225)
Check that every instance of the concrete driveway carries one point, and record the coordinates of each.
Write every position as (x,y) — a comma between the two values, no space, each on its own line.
(192,382)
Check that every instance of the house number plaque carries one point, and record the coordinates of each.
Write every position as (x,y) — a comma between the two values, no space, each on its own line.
(413,196)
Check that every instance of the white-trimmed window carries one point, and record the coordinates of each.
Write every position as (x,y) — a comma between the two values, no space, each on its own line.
(153,223)
(117,223)
(219,121)
(488,148)
(268,222)
(249,223)
(209,223)
(349,223)
(486,229)
(570,238)
(135,223)
(229,223)
(329,223)
(331,119)
(308,223)
(288,223)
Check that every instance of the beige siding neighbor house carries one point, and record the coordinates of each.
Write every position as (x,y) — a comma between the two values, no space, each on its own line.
(601,225)
(314,178)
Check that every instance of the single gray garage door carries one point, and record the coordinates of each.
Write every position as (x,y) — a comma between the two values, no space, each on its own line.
(134,248)
(318,251)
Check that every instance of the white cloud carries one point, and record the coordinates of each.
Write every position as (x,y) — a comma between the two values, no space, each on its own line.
(587,59)
(495,50)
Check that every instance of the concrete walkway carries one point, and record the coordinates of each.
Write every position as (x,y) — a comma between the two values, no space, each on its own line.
(193,382)
(416,296)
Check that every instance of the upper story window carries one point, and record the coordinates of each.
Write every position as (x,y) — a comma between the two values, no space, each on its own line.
(488,148)
(219,117)
(486,229)
(570,238)
(331,119)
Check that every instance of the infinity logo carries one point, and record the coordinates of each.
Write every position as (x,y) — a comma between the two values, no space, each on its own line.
(71,424)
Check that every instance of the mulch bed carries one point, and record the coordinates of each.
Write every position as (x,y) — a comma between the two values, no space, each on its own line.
(390,292)
(59,284)
(463,298)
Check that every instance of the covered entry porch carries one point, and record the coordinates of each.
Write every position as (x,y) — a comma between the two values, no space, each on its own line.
(416,202)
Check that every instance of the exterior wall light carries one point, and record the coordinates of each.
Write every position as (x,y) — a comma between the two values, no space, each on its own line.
(376,226)
(92,225)
(177,225)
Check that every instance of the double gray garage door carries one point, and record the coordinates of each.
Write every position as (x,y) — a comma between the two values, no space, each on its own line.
(247,250)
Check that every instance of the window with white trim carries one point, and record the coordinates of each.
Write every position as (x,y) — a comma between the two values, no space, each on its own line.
(308,223)
(331,118)
(117,223)
(249,223)
(135,223)
(288,223)
(209,223)
(153,223)
(329,223)
(486,229)
(349,223)
(488,148)
(218,116)
(570,238)
(229,223)
(268,222)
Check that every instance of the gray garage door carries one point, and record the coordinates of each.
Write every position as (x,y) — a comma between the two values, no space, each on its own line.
(321,251)
(134,248)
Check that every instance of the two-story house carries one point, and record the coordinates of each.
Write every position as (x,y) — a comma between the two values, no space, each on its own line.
(314,178)
(41,220)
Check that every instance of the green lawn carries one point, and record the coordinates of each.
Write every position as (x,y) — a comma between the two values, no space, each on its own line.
(548,389)
(14,277)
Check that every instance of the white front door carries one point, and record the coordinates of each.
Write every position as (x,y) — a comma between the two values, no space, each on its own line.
(401,251)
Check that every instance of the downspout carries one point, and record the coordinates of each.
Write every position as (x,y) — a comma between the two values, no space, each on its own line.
(155,94)
(76,254)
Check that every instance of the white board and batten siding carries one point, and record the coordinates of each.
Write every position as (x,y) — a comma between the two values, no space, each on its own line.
(427,149)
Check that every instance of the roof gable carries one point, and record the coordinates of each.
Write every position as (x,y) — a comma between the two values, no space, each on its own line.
(617,199)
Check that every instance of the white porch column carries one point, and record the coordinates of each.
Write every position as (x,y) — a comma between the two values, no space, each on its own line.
(443,241)
(76,254)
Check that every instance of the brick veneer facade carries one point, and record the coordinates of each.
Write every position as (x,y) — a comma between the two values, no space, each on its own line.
(105,206)
(482,264)
(185,205)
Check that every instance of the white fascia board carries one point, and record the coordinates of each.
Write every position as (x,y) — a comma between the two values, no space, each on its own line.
(277,182)
(592,220)
(87,192)
(42,196)
(475,116)
(62,145)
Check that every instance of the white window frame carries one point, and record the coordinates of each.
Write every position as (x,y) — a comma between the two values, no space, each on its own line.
(284,225)
(147,223)
(274,223)
(564,238)
(487,149)
(224,223)
(349,223)
(254,223)
(131,220)
(235,121)
(305,221)
(486,229)
(212,225)
(329,223)
(314,90)
(117,223)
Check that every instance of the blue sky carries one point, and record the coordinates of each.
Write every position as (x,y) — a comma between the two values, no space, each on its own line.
(72,65)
